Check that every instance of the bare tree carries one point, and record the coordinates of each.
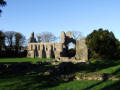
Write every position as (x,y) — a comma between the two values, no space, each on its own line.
(39,38)
(77,35)
(19,39)
(9,37)
(46,37)
(2,40)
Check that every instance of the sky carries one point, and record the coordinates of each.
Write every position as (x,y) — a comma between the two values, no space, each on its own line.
(38,16)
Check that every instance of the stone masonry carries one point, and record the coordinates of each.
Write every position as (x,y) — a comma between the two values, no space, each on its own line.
(57,50)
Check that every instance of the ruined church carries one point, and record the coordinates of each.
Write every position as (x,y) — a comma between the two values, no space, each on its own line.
(58,50)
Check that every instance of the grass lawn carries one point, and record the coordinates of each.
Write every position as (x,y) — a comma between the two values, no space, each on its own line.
(32,60)
(38,81)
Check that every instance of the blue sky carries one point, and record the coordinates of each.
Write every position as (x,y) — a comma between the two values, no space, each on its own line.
(26,16)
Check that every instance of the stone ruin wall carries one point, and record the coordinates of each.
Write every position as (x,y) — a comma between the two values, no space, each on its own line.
(81,50)
(44,50)
(56,50)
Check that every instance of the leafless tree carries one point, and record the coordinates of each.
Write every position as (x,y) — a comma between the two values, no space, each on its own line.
(2,40)
(77,35)
(46,37)
(9,37)
(39,38)
(19,39)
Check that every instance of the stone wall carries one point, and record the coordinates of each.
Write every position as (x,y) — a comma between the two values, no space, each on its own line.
(44,50)
(58,50)
(81,50)
(94,76)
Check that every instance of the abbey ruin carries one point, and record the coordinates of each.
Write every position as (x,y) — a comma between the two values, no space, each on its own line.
(58,50)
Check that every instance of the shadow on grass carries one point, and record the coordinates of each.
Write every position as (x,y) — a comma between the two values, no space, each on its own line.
(44,82)
(70,68)
(18,71)
(66,67)
(35,82)
(88,88)
(114,86)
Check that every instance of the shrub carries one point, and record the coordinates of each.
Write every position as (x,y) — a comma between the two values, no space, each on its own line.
(102,44)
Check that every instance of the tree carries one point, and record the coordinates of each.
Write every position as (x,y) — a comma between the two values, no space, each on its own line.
(77,35)
(19,39)
(39,38)
(9,38)
(2,3)
(46,37)
(102,43)
(2,40)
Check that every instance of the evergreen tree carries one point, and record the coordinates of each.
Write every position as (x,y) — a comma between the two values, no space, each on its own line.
(102,43)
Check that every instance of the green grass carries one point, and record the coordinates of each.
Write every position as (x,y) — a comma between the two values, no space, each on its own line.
(34,83)
(110,67)
(109,70)
(38,81)
(32,60)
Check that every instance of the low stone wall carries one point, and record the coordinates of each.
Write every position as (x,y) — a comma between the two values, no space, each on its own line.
(91,76)
(86,76)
